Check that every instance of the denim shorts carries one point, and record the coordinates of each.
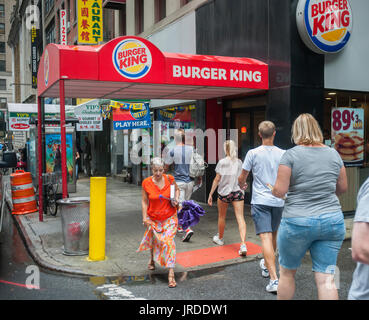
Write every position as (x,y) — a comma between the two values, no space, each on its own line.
(266,218)
(322,235)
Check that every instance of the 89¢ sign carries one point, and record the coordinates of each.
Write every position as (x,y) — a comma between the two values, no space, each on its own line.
(348,134)
(344,119)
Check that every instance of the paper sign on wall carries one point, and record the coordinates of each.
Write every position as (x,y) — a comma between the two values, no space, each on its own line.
(348,134)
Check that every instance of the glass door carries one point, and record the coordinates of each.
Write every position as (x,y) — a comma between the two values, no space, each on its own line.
(246,121)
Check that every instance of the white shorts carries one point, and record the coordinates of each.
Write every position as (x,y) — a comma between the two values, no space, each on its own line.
(185,189)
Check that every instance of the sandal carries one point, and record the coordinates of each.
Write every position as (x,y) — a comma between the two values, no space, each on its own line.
(172,282)
(151,265)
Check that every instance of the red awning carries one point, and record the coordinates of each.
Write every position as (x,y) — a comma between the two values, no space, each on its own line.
(133,68)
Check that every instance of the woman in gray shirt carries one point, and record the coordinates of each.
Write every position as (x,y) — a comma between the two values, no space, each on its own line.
(312,175)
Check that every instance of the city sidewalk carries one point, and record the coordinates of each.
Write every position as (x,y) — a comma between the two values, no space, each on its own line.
(124,232)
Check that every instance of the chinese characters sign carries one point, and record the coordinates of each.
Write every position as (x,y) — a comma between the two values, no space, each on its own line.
(90,21)
(348,134)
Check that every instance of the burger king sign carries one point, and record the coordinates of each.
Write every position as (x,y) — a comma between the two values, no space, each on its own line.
(132,59)
(324,25)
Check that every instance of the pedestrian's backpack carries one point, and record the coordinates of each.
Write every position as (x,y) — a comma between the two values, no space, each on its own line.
(197,165)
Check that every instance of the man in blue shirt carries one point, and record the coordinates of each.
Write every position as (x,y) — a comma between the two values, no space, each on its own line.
(180,156)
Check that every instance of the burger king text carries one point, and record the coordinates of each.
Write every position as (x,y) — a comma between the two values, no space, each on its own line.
(215,74)
(132,57)
(329,15)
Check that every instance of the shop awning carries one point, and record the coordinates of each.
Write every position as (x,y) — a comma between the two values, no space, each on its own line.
(133,68)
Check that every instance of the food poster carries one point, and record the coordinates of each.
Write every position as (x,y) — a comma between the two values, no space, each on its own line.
(348,134)
(53,154)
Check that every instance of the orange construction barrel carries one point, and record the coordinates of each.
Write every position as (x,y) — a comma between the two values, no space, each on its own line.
(23,194)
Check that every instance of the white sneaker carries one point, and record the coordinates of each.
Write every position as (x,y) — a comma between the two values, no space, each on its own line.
(187,236)
(243,250)
(217,240)
(272,286)
(264,269)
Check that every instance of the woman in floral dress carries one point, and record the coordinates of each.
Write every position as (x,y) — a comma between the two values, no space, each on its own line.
(159,215)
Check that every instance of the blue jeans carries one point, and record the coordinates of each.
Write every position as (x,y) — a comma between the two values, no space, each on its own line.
(322,235)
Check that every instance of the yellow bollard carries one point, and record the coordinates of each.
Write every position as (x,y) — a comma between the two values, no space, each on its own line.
(97,218)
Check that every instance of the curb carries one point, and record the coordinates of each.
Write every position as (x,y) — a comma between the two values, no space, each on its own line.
(36,257)
(51,267)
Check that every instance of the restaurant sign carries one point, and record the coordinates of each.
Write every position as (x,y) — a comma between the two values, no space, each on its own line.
(324,26)
(90,21)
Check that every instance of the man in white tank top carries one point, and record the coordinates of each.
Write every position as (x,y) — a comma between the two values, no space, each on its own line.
(266,210)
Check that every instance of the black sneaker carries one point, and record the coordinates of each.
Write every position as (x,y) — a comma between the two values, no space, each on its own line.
(187,236)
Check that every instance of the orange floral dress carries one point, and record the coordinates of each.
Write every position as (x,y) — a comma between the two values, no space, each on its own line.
(163,220)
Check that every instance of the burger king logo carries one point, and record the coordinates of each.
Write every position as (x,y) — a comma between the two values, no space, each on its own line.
(132,59)
(46,67)
(324,25)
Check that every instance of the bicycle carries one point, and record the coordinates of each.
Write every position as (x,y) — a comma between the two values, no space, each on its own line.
(51,182)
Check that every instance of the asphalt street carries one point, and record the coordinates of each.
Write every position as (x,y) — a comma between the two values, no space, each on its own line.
(19,280)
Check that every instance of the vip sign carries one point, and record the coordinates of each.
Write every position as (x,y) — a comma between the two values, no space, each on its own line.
(63,27)
(324,26)
(89,117)
(90,21)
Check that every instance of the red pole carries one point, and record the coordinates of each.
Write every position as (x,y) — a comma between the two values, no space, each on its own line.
(63,140)
(39,151)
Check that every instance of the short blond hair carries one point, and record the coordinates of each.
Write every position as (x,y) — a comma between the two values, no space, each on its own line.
(266,129)
(306,130)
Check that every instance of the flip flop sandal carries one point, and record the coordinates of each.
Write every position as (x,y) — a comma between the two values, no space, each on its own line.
(172,282)
(151,265)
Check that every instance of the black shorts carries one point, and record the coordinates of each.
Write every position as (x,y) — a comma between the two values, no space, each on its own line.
(233,196)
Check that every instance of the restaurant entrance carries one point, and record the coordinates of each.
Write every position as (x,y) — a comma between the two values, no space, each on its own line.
(246,121)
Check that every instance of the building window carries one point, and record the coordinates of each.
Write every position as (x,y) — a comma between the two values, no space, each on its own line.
(48,5)
(2,47)
(2,28)
(2,84)
(184,2)
(160,10)
(139,8)
(50,33)
(75,10)
(2,65)
(3,102)
(2,11)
